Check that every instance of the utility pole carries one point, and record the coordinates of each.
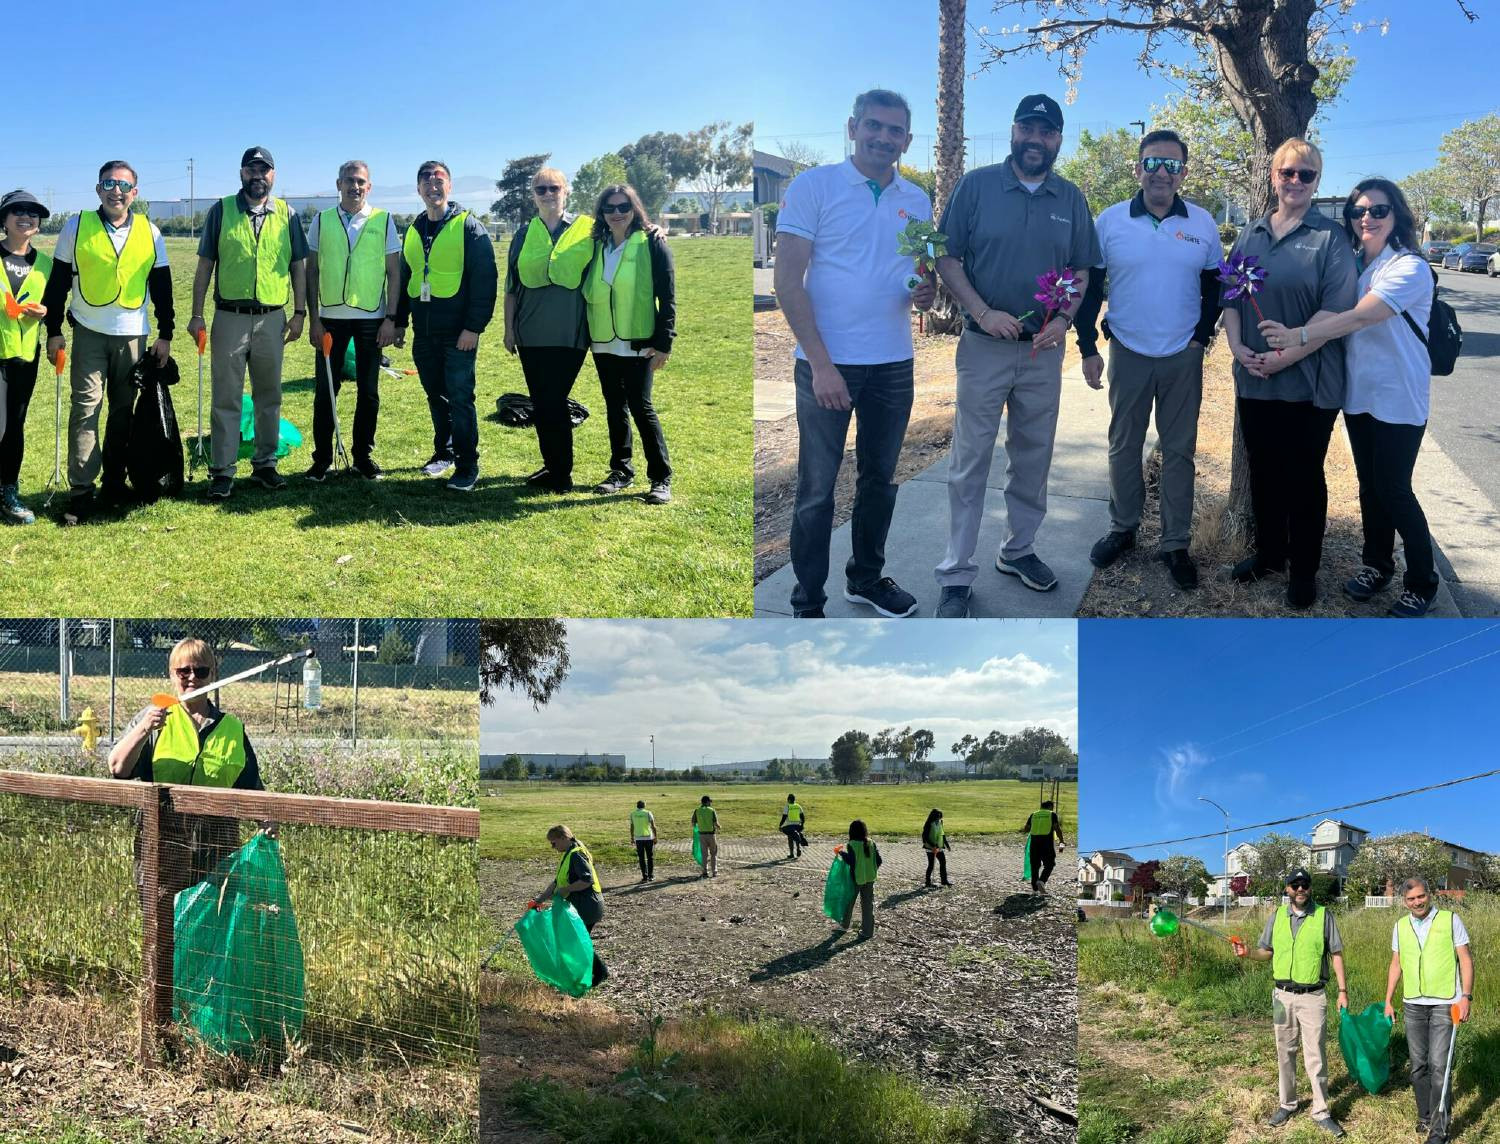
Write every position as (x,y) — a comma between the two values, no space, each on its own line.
(1225,813)
(193,208)
(653,754)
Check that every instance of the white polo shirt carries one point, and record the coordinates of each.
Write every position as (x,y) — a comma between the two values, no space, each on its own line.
(1421,927)
(113,318)
(1389,370)
(1155,292)
(856,277)
(353,224)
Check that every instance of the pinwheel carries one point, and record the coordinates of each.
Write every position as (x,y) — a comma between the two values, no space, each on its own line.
(1243,275)
(1058,289)
(924,244)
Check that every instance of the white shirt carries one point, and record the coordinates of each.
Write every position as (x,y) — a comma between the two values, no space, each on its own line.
(1389,370)
(1420,926)
(1155,291)
(353,224)
(619,347)
(113,318)
(856,278)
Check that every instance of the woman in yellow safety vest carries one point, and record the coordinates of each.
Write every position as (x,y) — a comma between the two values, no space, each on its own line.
(191,742)
(25,277)
(863,858)
(546,325)
(577,883)
(935,842)
(630,296)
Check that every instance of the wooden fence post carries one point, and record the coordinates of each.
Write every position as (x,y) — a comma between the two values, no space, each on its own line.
(156,928)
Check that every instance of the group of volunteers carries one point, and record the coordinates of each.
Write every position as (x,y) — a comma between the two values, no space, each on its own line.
(573,283)
(1430,961)
(1336,324)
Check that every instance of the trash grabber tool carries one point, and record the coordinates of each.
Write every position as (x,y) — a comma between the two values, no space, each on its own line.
(197,450)
(162,699)
(333,401)
(494,950)
(58,362)
(1440,1117)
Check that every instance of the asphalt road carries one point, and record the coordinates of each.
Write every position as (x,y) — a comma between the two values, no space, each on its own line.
(1465,413)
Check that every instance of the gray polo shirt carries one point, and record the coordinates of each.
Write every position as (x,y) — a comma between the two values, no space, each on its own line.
(549,315)
(1332,942)
(1008,236)
(1310,269)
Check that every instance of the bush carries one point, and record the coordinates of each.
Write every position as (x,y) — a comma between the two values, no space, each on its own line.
(1228,232)
(1117,896)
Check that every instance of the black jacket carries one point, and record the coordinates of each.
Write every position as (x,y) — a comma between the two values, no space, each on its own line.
(474,304)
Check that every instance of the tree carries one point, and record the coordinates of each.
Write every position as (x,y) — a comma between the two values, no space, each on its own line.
(394,647)
(1144,877)
(1470,162)
(684,206)
(920,743)
(651,182)
(774,772)
(1429,196)
(849,757)
(927,180)
(1383,863)
(1028,748)
(515,204)
(1103,167)
(1239,885)
(1487,874)
(1184,875)
(593,177)
(681,156)
(513,768)
(948,150)
(1275,856)
(529,656)
(893,744)
(726,163)
(800,155)
(824,772)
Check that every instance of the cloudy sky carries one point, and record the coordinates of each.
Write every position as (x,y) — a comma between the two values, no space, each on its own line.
(749,689)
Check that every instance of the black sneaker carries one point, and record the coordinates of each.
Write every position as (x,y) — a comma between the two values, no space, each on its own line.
(1301,592)
(81,507)
(661,493)
(220,488)
(318,471)
(808,614)
(1330,1125)
(885,596)
(1410,606)
(1366,583)
(1184,572)
(1030,570)
(1279,1117)
(1252,568)
(463,482)
(1109,548)
(367,468)
(954,604)
(617,481)
(268,478)
(540,477)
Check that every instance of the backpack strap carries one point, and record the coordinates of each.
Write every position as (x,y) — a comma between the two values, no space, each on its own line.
(1421,337)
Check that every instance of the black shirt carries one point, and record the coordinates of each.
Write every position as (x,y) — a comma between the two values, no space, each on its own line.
(17,267)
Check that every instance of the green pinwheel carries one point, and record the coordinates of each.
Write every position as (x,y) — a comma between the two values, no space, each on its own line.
(924,244)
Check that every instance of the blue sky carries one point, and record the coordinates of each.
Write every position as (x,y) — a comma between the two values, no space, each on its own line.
(752,689)
(1430,73)
(469,82)
(1272,718)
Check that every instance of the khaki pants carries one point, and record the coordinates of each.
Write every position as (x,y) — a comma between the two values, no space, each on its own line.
(238,341)
(101,365)
(1301,1018)
(710,845)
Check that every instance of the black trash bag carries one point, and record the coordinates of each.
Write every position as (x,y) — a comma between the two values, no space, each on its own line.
(153,457)
(516,411)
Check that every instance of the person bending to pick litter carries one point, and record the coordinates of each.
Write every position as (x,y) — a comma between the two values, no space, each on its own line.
(863,857)
(577,883)
(643,834)
(706,821)
(1041,856)
(792,820)
(935,842)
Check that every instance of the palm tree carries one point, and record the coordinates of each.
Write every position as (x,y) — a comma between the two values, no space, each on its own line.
(950,135)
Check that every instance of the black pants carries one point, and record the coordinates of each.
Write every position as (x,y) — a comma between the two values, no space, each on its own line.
(1043,858)
(550,372)
(1384,456)
(591,912)
(795,839)
(1286,442)
(19,377)
(626,384)
(362,332)
(941,858)
(645,854)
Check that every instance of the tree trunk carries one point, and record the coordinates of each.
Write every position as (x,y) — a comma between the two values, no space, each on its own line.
(944,316)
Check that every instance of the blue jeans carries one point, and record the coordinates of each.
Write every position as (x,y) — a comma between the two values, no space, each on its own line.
(447,375)
(882,395)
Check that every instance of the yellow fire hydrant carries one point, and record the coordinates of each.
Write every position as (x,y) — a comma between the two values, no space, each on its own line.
(88,728)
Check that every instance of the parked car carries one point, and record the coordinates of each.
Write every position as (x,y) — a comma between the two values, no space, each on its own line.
(1494,265)
(1477,258)
(1455,254)
(1434,251)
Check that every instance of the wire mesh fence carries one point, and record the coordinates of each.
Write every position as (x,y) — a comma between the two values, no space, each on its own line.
(367,679)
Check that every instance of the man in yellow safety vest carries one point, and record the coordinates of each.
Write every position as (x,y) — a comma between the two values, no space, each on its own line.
(793,819)
(1042,826)
(643,834)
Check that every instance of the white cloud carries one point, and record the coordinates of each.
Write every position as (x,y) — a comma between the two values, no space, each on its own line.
(1178,770)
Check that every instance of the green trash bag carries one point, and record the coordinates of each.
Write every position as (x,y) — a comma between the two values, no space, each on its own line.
(1026,874)
(558,945)
(289,436)
(349,371)
(1365,1041)
(697,846)
(839,889)
(237,975)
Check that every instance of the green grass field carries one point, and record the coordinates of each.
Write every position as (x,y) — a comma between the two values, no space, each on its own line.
(514,817)
(1176,1044)
(406,545)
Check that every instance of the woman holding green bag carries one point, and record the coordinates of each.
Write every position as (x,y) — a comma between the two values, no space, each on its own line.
(577,883)
(863,859)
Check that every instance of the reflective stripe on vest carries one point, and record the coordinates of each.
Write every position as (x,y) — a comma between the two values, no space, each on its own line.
(1428,969)
(626,307)
(351,278)
(542,262)
(442,264)
(20,337)
(105,276)
(1041,823)
(1297,959)
(562,867)
(794,813)
(864,862)
(704,818)
(180,758)
(255,268)
(640,823)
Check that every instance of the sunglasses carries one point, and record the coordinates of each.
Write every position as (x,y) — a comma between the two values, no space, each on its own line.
(1379,210)
(25,212)
(616,208)
(1289,174)
(1156,163)
(196,671)
(116,184)
(549,189)
(1299,885)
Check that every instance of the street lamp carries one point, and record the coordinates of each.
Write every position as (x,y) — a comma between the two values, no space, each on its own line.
(1225,813)
(1141,123)
(653,754)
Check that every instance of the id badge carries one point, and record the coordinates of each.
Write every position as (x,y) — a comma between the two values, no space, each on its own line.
(426,291)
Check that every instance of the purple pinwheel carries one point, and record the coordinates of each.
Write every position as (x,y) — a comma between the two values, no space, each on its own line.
(1058,289)
(1243,275)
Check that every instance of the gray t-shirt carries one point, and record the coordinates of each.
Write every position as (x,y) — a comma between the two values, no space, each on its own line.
(1308,270)
(1332,943)
(213,220)
(1008,236)
(546,315)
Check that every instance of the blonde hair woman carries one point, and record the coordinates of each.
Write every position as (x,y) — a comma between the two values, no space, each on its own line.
(577,883)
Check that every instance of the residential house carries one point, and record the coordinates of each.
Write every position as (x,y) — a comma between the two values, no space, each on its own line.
(1334,845)
(1109,872)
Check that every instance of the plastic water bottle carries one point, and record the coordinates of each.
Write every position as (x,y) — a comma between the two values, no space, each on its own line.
(312,684)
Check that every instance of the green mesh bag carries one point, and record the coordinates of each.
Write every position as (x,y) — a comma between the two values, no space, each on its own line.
(237,974)
(559,948)
(1365,1041)
(839,889)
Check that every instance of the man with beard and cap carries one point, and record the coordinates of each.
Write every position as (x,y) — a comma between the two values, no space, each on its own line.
(449,284)
(1161,255)
(1007,225)
(256,242)
(114,262)
(1301,940)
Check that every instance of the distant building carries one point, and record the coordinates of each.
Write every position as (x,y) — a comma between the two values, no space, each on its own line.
(160,209)
(489,764)
(1109,872)
(771,174)
(1334,846)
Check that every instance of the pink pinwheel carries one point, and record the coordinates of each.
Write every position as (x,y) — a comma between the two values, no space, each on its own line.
(1058,289)
(1244,275)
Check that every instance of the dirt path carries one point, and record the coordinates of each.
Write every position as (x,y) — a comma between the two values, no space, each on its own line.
(968,989)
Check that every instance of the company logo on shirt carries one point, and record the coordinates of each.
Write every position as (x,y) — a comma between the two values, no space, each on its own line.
(1059,218)
(1193,238)
(1305,246)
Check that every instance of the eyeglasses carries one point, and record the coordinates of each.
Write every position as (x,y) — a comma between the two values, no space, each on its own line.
(616,208)
(1289,174)
(1379,210)
(1156,163)
(193,670)
(124,185)
(549,189)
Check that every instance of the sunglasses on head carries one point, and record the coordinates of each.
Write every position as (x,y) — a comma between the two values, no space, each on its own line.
(547,189)
(1289,174)
(1156,163)
(1379,210)
(195,670)
(116,184)
(616,208)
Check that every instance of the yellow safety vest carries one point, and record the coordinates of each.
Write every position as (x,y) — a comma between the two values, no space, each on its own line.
(640,823)
(255,268)
(180,758)
(443,264)
(1297,959)
(935,835)
(706,819)
(864,862)
(106,277)
(562,867)
(1428,969)
(19,338)
(354,278)
(626,307)
(543,262)
(794,813)
(1041,823)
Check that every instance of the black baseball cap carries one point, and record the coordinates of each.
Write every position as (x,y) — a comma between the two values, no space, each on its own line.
(1299,875)
(1039,107)
(257,155)
(14,200)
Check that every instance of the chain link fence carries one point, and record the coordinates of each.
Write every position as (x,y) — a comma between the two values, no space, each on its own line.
(390,679)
